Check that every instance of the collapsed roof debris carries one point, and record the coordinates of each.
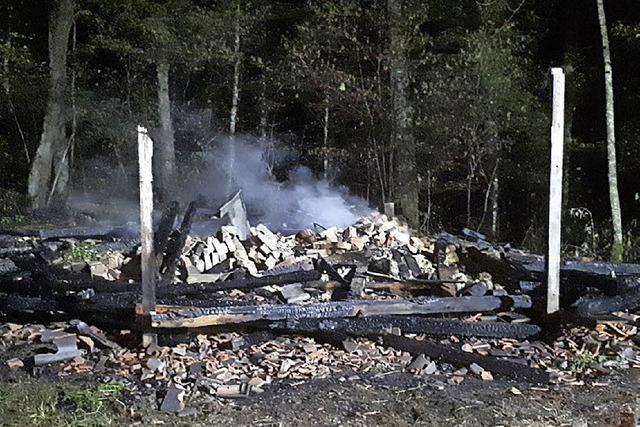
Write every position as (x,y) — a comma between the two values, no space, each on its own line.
(262,307)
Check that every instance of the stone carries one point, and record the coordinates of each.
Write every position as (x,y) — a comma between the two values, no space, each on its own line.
(173,401)
(15,363)
(419,362)
(476,369)
(431,368)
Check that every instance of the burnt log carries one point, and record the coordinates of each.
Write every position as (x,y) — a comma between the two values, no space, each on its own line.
(198,317)
(54,280)
(96,231)
(374,326)
(175,246)
(241,284)
(498,367)
(165,227)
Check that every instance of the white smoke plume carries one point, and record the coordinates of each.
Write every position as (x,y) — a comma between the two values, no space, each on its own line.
(295,203)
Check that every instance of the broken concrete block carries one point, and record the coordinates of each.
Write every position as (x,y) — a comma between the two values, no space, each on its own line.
(173,401)
(476,369)
(419,362)
(294,294)
(67,350)
(15,363)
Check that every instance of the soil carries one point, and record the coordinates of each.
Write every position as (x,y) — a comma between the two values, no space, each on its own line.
(349,399)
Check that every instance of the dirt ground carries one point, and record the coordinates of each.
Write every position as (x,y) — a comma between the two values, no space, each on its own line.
(383,399)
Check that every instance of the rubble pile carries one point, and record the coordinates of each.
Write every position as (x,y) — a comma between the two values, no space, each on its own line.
(371,297)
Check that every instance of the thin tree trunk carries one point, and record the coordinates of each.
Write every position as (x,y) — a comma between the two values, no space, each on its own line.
(618,247)
(235,98)
(53,130)
(429,202)
(403,139)
(165,150)
(325,141)
(63,159)
(264,111)
(6,84)
(495,194)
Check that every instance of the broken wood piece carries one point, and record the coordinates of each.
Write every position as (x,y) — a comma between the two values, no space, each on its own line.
(197,317)
(97,335)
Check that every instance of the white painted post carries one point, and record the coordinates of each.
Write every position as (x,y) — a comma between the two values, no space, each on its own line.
(390,209)
(147,261)
(555,192)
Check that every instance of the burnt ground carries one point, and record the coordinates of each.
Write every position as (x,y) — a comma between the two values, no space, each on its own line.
(382,399)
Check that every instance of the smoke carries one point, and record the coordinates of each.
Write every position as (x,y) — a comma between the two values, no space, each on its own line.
(108,189)
(297,202)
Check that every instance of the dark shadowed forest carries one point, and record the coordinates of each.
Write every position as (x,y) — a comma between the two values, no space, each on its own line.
(440,106)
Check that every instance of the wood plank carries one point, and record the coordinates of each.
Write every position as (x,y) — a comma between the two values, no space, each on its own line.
(554,228)
(148,260)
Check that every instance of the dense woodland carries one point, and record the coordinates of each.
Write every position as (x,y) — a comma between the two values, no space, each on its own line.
(440,106)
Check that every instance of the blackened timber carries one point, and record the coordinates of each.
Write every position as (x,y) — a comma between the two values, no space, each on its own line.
(498,367)
(176,244)
(374,326)
(600,305)
(165,226)
(197,317)
(88,231)
(241,284)
(59,281)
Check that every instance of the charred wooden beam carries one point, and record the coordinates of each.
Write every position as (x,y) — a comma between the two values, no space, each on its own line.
(600,305)
(165,226)
(374,326)
(88,231)
(241,284)
(498,367)
(175,246)
(197,317)
(50,280)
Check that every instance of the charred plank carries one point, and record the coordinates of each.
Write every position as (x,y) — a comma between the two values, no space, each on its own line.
(374,326)
(197,317)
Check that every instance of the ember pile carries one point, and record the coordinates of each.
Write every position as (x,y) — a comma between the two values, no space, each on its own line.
(260,306)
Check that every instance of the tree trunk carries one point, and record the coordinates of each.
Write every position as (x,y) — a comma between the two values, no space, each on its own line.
(325,141)
(165,150)
(52,139)
(402,139)
(235,98)
(617,251)
(264,110)
(495,193)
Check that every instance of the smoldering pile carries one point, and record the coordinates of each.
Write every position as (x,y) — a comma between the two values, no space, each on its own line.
(371,295)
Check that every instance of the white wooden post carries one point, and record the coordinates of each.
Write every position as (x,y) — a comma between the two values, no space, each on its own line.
(147,261)
(555,192)
(390,209)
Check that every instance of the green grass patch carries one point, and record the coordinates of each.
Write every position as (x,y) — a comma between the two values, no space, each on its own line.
(80,252)
(585,361)
(42,404)
(12,220)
